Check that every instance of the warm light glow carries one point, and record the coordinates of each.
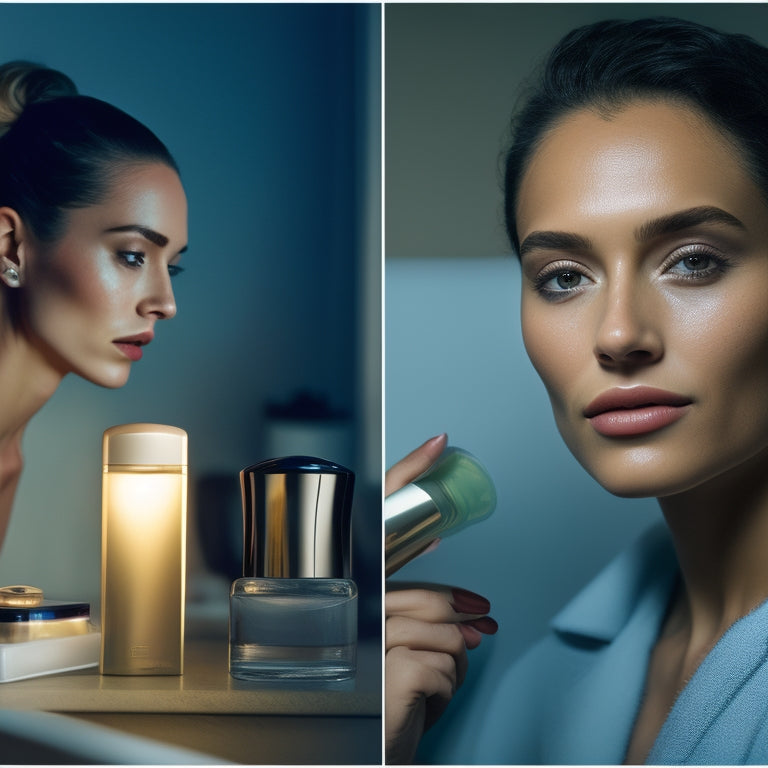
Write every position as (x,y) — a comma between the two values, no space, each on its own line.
(144,543)
(144,501)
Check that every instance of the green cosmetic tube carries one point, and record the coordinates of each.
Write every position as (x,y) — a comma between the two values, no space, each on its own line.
(455,492)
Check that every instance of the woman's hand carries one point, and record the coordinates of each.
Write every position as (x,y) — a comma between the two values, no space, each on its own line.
(414,464)
(428,631)
(429,628)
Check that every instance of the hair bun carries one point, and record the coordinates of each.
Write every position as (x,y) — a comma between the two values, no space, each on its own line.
(23,83)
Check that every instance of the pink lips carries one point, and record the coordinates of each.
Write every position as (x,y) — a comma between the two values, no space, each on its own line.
(131,346)
(635,411)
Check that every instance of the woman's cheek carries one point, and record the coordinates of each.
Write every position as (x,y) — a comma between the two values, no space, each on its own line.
(556,346)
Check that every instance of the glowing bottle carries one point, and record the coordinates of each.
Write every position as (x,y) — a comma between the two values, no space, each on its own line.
(143,550)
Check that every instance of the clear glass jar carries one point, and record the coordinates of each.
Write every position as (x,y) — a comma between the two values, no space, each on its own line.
(293,629)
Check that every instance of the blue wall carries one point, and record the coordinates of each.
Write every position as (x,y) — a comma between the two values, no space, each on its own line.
(264,108)
(456,363)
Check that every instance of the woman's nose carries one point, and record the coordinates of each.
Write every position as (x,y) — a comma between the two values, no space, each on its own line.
(158,301)
(628,332)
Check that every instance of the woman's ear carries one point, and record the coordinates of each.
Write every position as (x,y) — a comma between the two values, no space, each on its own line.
(11,248)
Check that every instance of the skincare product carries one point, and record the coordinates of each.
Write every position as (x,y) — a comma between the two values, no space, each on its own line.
(20,596)
(454,493)
(49,618)
(293,615)
(43,637)
(143,550)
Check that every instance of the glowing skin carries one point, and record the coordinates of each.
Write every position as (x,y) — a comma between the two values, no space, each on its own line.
(86,302)
(108,277)
(644,247)
(617,294)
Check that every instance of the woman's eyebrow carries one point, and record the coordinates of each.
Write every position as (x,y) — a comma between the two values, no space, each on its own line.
(664,225)
(554,241)
(146,232)
(692,217)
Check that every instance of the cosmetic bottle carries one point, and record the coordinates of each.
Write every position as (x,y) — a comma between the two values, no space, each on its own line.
(43,637)
(46,619)
(143,550)
(293,615)
(455,492)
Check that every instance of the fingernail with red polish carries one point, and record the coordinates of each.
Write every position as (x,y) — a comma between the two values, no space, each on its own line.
(486,625)
(465,601)
(472,637)
(431,547)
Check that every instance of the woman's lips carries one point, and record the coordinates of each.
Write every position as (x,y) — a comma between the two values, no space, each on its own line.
(131,351)
(635,411)
(131,346)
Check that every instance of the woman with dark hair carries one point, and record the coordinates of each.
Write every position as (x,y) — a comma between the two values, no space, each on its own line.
(93,220)
(637,201)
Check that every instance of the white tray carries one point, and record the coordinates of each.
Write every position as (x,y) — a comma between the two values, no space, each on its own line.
(34,658)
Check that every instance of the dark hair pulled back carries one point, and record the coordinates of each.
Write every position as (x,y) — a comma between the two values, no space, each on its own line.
(605,65)
(60,150)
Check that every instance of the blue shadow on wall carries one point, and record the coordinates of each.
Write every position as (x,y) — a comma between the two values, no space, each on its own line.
(266,110)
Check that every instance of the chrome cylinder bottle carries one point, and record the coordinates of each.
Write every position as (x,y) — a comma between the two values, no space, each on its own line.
(293,615)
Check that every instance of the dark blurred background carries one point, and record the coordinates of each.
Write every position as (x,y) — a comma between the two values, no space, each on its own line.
(273,114)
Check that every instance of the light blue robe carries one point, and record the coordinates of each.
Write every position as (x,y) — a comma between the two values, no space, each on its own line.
(574,696)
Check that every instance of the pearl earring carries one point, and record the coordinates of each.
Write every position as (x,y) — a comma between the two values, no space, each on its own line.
(11,275)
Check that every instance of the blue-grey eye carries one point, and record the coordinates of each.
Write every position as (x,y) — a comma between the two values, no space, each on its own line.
(568,280)
(698,265)
(132,258)
(696,262)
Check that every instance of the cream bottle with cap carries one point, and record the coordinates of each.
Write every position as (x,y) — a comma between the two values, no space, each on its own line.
(455,492)
(293,615)
(143,550)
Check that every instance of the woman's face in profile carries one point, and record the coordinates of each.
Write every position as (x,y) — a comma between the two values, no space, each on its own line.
(91,299)
(644,248)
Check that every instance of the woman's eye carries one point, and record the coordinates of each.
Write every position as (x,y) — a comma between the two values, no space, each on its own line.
(560,283)
(568,280)
(696,266)
(131,258)
(696,263)
(174,270)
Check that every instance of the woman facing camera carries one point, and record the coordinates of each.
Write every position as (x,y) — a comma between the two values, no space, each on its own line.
(93,220)
(637,201)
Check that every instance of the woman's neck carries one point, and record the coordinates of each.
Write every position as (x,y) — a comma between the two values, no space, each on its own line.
(720,531)
(27,381)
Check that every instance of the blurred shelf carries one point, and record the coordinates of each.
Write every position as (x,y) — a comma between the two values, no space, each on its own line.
(205,688)
(207,710)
